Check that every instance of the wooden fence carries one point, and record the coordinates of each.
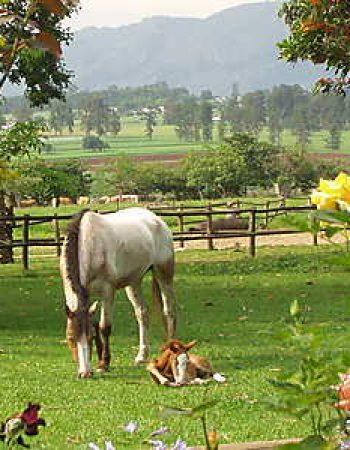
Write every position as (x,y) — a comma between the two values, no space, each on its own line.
(258,218)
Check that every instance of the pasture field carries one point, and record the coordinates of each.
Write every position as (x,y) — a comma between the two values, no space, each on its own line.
(132,141)
(232,304)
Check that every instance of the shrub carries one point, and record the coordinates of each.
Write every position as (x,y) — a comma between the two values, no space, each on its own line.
(94,142)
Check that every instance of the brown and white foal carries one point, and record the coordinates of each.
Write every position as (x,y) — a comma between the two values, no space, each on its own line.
(177,367)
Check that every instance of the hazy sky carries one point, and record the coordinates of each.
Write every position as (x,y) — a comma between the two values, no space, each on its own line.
(121,12)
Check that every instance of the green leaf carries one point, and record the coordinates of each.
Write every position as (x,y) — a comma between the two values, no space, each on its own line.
(295,309)
(310,443)
(169,411)
(286,385)
(200,409)
(331,231)
(332,216)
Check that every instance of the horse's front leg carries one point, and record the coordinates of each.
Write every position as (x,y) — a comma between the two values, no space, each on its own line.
(134,293)
(104,329)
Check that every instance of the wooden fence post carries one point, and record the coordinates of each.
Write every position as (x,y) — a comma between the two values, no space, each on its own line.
(267,216)
(283,204)
(210,227)
(25,250)
(252,229)
(181,226)
(57,235)
(314,234)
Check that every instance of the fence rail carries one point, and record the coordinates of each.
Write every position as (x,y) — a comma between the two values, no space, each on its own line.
(258,218)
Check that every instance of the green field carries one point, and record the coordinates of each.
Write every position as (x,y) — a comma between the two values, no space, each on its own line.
(132,141)
(232,304)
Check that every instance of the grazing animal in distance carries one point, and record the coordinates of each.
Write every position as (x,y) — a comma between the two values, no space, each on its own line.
(65,201)
(230,222)
(83,200)
(177,367)
(27,422)
(103,253)
(27,203)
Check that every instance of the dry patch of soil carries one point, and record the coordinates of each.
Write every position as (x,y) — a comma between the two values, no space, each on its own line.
(268,241)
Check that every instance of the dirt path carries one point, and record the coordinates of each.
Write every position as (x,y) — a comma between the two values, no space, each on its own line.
(271,241)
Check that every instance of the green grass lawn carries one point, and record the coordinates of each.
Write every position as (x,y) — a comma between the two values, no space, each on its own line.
(229,302)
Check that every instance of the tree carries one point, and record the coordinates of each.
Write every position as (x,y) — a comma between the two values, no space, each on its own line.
(232,113)
(184,115)
(44,181)
(95,114)
(31,34)
(61,116)
(240,161)
(206,119)
(302,125)
(16,141)
(114,121)
(118,178)
(319,32)
(304,171)
(332,113)
(149,115)
(253,111)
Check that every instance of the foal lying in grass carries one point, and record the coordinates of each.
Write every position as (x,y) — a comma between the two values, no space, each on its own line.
(177,367)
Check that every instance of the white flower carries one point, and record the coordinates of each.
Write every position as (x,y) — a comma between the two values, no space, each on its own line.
(109,445)
(131,427)
(345,445)
(158,445)
(161,430)
(93,446)
(180,445)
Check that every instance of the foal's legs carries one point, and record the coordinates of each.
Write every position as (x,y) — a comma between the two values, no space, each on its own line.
(164,277)
(105,328)
(135,295)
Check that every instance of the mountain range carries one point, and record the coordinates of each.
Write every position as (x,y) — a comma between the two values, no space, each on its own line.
(234,46)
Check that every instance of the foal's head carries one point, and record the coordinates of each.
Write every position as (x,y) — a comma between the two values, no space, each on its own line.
(80,333)
(175,352)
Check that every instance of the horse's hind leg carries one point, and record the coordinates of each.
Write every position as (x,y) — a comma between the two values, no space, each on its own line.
(163,276)
(135,295)
(105,328)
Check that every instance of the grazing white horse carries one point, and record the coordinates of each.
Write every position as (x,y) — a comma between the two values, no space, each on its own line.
(102,253)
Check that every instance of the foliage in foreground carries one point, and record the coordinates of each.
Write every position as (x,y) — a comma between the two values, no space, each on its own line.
(309,390)
(319,31)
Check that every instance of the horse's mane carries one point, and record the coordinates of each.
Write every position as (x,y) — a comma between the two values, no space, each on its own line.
(72,257)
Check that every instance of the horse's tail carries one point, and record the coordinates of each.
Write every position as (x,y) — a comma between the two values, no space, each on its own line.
(71,253)
(157,299)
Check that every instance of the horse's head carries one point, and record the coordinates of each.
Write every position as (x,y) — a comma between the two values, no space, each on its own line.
(80,333)
(176,352)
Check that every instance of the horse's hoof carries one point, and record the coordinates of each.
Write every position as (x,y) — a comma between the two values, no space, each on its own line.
(102,369)
(88,374)
(139,361)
